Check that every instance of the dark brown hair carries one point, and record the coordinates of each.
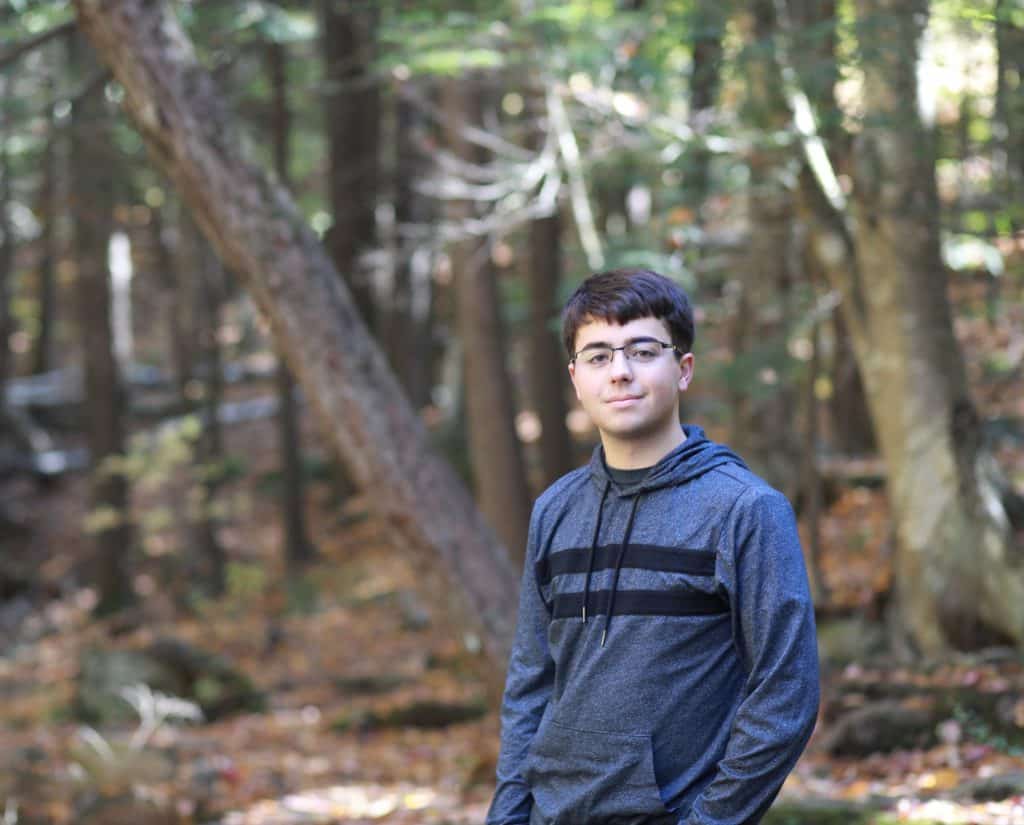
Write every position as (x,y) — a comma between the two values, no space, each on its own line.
(623,295)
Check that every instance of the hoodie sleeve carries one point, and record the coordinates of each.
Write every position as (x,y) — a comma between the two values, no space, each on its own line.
(773,628)
(527,690)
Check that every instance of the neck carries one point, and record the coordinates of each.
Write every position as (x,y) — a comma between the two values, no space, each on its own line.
(635,455)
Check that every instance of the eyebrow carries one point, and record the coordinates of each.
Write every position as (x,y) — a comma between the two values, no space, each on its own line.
(640,339)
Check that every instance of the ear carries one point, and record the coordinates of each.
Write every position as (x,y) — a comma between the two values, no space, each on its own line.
(572,377)
(685,371)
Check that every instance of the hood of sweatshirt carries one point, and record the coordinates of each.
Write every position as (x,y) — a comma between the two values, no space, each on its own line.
(690,460)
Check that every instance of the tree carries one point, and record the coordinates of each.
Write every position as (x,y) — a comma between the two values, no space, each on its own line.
(298,547)
(48,209)
(763,397)
(260,235)
(92,204)
(498,472)
(546,373)
(958,578)
(352,113)
(408,329)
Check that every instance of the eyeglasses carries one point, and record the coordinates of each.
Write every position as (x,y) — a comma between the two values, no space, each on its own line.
(639,351)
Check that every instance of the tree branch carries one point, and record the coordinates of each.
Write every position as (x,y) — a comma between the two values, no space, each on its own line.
(14,52)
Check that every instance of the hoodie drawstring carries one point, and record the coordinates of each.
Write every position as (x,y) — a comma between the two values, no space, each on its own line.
(618,568)
(593,547)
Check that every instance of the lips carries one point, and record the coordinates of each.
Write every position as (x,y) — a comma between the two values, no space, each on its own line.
(623,400)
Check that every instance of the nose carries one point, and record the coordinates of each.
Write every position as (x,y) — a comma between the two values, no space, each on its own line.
(620,365)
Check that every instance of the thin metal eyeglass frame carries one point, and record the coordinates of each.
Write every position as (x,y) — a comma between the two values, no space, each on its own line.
(623,348)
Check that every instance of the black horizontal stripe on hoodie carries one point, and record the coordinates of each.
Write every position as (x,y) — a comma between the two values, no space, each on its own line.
(639,603)
(638,556)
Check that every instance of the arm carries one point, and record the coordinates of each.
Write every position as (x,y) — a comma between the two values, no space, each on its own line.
(773,627)
(527,689)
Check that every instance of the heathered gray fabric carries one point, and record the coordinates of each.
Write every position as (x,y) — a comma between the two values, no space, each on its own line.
(690,719)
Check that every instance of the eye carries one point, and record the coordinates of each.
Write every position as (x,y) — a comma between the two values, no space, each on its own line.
(598,358)
(643,352)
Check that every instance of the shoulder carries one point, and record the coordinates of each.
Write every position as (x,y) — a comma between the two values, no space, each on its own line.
(752,496)
(558,500)
(561,491)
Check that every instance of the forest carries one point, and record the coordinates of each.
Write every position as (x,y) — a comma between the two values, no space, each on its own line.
(281,376)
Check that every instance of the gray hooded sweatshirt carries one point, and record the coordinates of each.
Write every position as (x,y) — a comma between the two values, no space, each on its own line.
(665,667)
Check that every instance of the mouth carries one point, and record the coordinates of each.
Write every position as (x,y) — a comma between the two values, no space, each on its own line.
(623,401)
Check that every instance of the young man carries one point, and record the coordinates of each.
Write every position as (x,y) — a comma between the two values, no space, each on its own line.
(665,667)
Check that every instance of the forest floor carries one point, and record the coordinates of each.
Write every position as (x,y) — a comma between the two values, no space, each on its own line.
(358,641)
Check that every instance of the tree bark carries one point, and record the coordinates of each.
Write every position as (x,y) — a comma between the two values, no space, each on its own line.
(958,578)
(408,324)
(1010,88)
(764,398)
(298,547)
(208,453)
(707,28)
(6,249)
(261,236)
(546,371)
(352,114)
(813,52)
(42,355)
(495,455)
(92,203)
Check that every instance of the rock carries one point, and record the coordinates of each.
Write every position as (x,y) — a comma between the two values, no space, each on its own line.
(168,666)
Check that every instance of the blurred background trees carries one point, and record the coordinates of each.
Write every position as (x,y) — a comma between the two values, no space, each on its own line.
(279,343)
(838,186)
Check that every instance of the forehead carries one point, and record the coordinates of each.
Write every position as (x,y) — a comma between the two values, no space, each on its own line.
(595,330)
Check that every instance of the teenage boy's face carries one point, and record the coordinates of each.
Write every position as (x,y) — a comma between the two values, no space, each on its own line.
(628,400)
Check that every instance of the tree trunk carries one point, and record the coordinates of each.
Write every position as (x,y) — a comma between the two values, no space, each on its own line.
(957,582)
(764,397)
(408,332)
(352,114)
(6,249)
(1010,87)
(813,52)
(298,547)
(208,454)
(42,355)
(262,237)
(498,472)
(707,27)
(177,308)
(92,203)
(546,370)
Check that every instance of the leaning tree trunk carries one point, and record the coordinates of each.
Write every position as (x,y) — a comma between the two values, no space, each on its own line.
(957,582)
(495,454)
(92,206)
(260,234)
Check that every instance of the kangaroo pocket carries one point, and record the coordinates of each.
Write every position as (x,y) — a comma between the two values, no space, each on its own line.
(579,777)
